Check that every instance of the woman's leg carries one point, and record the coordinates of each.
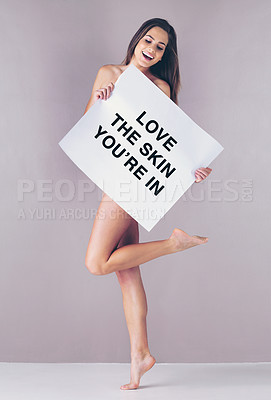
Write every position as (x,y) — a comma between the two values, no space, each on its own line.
(110,223)
(135,309)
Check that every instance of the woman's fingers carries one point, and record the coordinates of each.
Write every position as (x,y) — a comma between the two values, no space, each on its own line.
(205,170)
(198,178)
(104,93)
(110,88)
(99,94)
(202,173)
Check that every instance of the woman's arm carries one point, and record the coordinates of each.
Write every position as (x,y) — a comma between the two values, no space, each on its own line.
(200,173)
(104,75)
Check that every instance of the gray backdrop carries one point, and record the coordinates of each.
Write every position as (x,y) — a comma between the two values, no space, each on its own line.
(208,304)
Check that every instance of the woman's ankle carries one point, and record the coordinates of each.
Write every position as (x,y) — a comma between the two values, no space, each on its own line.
(140,353)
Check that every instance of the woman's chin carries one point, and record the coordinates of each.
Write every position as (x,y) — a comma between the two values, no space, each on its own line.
(144,63)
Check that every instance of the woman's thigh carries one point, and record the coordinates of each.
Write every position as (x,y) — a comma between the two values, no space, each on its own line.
(110,224)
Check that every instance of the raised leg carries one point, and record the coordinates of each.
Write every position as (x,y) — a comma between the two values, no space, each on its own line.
(135,309)
(111,221)
(106,253)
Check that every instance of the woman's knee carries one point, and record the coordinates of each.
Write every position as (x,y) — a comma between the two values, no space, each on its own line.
(95,267)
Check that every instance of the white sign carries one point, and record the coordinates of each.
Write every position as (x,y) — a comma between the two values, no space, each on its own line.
(140,148)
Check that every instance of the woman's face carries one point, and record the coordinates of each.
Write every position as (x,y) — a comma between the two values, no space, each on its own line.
(151,47)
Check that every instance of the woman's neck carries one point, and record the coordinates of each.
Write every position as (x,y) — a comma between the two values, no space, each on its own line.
(144,70)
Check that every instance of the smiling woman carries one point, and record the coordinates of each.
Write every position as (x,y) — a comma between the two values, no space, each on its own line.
(153,49)
(149,47)
(146,54)
(114,241)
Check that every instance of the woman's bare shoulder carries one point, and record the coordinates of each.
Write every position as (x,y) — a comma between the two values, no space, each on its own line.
(160,82)
(163,85)
(110,72)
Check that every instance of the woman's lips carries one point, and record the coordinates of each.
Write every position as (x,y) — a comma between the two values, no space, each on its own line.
(146,58)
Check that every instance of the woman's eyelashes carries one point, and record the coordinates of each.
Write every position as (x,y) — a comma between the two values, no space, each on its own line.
(149,41)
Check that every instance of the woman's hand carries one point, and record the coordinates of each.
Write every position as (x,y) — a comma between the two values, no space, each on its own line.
(202,173)
(105,92)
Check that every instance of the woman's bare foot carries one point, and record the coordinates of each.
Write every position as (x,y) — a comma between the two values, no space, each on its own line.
(139,365)
(182,241)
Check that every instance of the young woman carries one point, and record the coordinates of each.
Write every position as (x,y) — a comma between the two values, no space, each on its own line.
(114,241)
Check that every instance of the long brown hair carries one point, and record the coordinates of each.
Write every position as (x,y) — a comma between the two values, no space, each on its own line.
(166,69)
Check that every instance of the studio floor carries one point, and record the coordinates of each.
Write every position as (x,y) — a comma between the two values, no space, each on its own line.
(51,381)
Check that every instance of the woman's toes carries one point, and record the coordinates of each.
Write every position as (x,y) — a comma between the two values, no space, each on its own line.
(129,386)
(123,387)
(202,238)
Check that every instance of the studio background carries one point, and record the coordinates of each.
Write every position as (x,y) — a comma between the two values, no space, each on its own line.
(208,304)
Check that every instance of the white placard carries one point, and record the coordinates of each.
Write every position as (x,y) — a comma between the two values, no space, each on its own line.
(140,148)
